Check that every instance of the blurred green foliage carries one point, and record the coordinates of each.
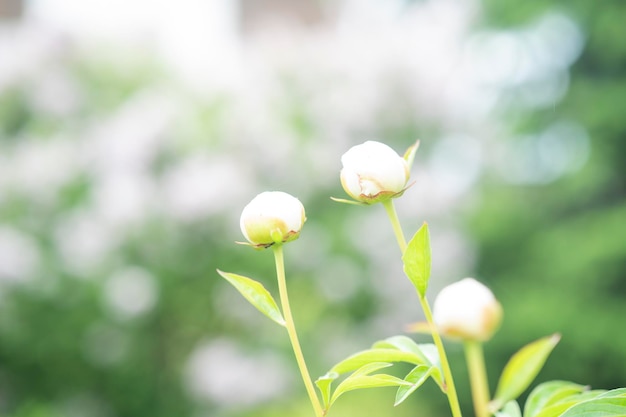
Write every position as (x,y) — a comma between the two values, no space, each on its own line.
(556,253)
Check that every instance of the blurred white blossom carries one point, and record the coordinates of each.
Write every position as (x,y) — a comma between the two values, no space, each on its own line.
(200,186)
(84,241)
(19,256)
(220,371)
(130,292)
(39,167)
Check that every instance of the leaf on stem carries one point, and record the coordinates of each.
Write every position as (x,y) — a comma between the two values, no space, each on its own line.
(324,385)
(522,368)
(362,379)
(426,351)
(598,407)
(548,394)
(559,407)
(365,357)
(510,409)
(417,260)
(384,353)
(416,378)
(614,393)
(256,294)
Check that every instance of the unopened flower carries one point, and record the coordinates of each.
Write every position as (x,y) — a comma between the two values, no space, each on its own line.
(467,310)
(272,217)
(373,172)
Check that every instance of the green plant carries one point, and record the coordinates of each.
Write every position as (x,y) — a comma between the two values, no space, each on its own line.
(465,311)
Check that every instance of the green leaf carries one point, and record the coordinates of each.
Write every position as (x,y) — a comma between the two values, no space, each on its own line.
(558,408)
(409,155)
(510,409)
(555,410)
(403,344)
(256,294)
(598,407)
(522,368)
(416,378)
(417,261)
(549,393)
(365,357)
(323,384)
(362,379)
(426,351)
(614,393)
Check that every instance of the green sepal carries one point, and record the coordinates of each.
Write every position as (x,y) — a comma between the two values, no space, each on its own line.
(277,236)
(260,246)
(256,294)
(353,202)
(521,369)
(409,155)
(417,260)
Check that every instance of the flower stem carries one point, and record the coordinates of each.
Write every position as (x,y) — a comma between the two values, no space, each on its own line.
(395,223)
(478,377)
(447,373)
(453,399)
(291,330)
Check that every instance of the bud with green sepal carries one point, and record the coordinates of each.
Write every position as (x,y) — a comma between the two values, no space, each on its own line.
(372,172)
(272,217)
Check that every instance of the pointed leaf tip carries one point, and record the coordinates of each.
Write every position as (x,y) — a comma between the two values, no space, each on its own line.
(416,378)
(409,155)
(256,294)
(522,369)
(362,378)
(417,260)
(344,201)
(324,385)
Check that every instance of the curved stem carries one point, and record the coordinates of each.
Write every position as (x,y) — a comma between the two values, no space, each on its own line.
(447,373)
(478,377)
(395,223)
(453,399)
(291,330)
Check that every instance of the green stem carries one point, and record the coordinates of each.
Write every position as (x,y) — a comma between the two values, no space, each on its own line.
(395,223)
(453,399)
(291,330)
(478,377)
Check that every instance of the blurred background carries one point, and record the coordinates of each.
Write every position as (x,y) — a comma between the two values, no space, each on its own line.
(132,133)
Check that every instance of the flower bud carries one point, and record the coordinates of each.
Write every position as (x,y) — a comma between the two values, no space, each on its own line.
(272,217)
(467,310)
(373,172)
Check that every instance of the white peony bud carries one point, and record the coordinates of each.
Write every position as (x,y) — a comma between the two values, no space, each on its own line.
(373,172)
(467,310)
(272,217)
